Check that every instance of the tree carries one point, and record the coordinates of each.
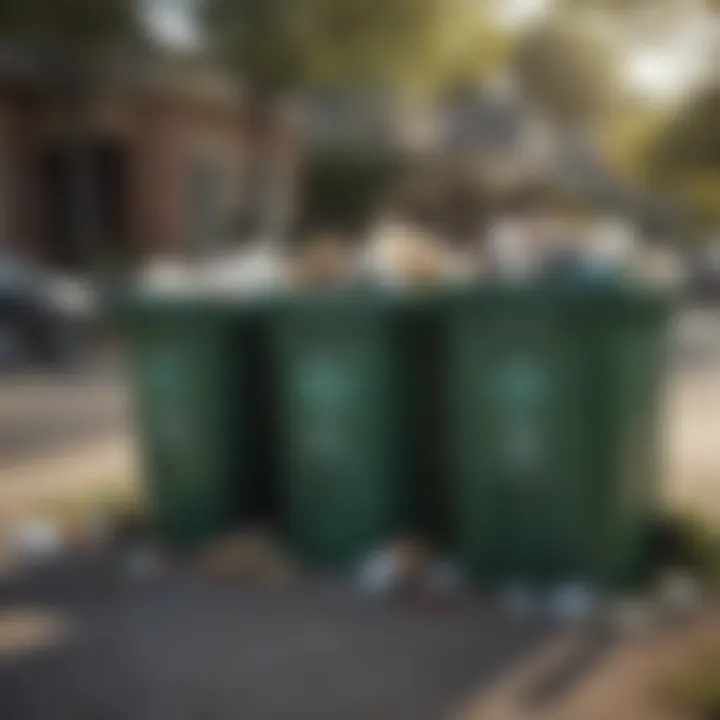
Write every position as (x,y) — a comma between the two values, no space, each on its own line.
(565,72)
(278,48)
(690,141)
(75,39)
(481,50)
(628,136)
(684,157)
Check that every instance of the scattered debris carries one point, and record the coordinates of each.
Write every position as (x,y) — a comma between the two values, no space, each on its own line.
(509,242)
(660,266)
(257,268)
(391,568)
(142,562)
(37,541)
(612,244)
(165,276)
(326,260)
(679,593)
(401,254)
(251,555)
(436,587)
(28,629)
(519,600)
(632,617)
(87,535)
(445,576)
(573,602)
(381,573)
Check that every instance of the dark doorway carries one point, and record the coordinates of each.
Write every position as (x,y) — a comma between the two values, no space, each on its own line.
(108,166)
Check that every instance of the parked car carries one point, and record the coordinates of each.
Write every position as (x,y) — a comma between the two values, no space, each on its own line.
(45,317)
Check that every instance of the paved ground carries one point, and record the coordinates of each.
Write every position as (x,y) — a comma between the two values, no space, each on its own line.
(184,650)
(82,641)
(42,413)
(94,646)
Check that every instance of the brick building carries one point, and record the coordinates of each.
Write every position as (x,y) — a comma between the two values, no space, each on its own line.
(167,154)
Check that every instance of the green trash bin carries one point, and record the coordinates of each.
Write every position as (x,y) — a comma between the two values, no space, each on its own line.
(341,431)
(552,414)
(190,378)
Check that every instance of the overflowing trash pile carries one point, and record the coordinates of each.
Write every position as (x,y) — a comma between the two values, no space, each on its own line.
(396,252)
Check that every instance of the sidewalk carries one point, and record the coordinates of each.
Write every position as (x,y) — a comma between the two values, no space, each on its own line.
(63,438)
(80,472)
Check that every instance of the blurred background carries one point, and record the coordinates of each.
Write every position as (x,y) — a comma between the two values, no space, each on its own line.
(250,143)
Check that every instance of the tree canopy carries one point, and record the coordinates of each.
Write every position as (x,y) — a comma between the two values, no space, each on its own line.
(281,45)
(75,25)
(684,156)
(564,71)
(690,142)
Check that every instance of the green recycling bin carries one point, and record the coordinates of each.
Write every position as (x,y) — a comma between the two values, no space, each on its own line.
(189,373)
(341,442)
(552,413)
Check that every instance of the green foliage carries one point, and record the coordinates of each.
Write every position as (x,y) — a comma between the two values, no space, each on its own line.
(276,46)
(683,158)
(340,191)
(627,138)
(674,152)
(73,25)
(565,72)
(699,195)
(480,51)
(691,142)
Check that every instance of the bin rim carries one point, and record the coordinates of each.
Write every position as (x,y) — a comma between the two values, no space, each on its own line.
(132,301)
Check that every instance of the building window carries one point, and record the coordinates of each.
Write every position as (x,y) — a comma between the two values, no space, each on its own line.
(204,207)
